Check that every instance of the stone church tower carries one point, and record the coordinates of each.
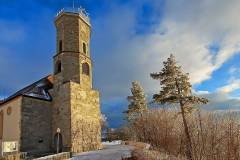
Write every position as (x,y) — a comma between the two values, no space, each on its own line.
(76,106)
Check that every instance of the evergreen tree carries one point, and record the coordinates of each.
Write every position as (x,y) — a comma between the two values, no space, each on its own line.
(176,88)
(137,101)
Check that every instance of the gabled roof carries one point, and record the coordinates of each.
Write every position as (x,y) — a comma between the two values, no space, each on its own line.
(37,90)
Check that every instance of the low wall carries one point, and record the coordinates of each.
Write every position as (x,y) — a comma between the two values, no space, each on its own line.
(60,156)
(16,156)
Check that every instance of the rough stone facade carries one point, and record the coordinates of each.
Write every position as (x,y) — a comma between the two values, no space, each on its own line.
(76,106)
(72,33)
(61,114)
(85,115)
(35,125)
(59,156)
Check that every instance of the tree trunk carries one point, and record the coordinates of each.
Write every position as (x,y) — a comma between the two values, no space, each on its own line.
(189,142)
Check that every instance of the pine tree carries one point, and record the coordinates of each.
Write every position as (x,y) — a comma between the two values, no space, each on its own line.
(176,88)
(137,102)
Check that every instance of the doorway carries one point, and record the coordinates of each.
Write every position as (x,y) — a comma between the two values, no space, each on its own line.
(58,145)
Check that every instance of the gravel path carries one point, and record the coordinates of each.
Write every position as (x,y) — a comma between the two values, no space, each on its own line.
(110,152)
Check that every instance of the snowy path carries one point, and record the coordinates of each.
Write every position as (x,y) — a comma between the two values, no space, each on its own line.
(110,152)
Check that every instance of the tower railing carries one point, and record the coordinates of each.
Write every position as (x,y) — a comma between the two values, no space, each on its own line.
(80,11)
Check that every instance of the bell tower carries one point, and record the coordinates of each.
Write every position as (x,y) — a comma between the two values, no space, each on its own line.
(76,106)
(73,41)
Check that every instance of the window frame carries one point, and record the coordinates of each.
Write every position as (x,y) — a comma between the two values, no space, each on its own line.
(58,67)
(85,69)
(84,46)
(60,46)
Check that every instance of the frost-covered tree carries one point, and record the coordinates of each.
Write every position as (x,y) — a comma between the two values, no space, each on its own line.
(176,88)
(137,101)
(103,121)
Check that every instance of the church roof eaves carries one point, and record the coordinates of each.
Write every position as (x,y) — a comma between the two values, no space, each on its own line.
(27,91)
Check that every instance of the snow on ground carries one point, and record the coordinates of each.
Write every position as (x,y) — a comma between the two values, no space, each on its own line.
(112,143)
(109,152)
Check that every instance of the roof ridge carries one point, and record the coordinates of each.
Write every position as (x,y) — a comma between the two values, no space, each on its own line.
(26,89)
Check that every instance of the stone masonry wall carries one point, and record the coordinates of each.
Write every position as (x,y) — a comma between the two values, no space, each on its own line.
(35,125)
(59,156)
(85,119)
(68,30)
(61,113)
(86,80)
(70,67)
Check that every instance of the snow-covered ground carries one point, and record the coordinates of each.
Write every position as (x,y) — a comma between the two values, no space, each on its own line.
(111,151)
(112,143)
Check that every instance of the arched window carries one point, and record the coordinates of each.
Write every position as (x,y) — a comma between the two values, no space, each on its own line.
(85,69)
(58,67)
(60,46)
(84,48)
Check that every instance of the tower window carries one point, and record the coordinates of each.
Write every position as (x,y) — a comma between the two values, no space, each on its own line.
(58,68)
(84,48)
(60,46)
(85,69)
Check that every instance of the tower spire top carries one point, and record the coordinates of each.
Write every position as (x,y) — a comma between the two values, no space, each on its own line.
(76,10)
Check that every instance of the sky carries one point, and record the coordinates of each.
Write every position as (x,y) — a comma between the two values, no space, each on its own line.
(130,40)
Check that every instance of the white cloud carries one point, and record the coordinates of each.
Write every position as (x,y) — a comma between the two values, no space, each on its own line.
(232,86)
(199,92)
(221,101)
(234,70)
(187,29)
(200,23)
(221,98)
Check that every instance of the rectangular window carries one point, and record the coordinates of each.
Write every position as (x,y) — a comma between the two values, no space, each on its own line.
(84,48)
(60,46)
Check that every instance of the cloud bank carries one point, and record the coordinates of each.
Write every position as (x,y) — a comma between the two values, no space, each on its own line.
(203,35)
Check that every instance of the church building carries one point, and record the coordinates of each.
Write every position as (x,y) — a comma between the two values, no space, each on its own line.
(60,111)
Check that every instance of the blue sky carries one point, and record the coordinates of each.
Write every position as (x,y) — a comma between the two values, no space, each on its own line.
(130,39)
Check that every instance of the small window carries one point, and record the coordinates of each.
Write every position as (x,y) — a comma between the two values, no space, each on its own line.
(85,69)
(84,48)
(58,68)
(9,110)
(60,46)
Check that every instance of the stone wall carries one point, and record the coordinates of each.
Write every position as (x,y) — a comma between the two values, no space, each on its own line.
(85,80)
(61,114)
(15,156)
(76,111)
(68,31)
(73,32)
(35,126)
(60,156)
(85,119)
